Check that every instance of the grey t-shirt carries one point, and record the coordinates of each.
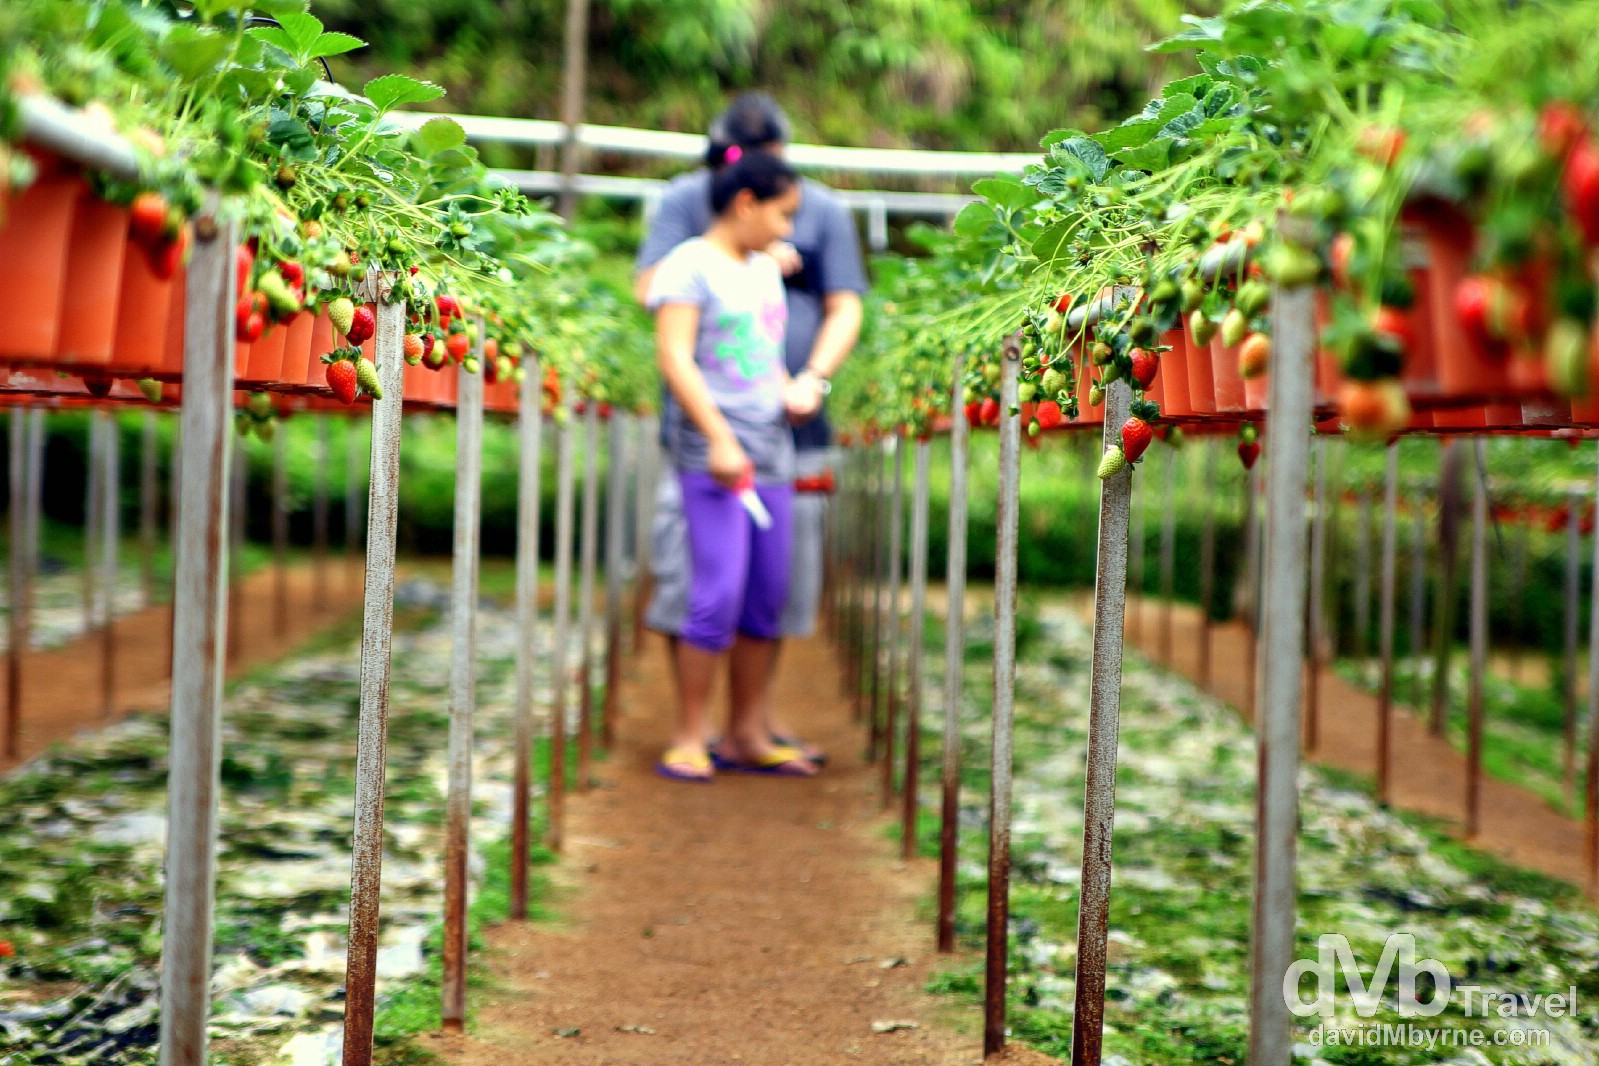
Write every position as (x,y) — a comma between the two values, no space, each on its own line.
(738,349)
(824,234)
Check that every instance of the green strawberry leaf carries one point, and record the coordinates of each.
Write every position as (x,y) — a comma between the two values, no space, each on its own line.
(335,44)
(974,220)
(193,51)
(1089,153)
(1051,245)
(392,90)
(1005,191)
(438,135)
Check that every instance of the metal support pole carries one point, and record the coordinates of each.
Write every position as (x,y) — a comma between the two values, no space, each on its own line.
(377,634)
(1135,547)
(1444,612)
(35,511)
(1104,728)
(1479,637)
(354,518)
(149,491)
(1362,643)
(200,603)
(1282,652)
(529,425)
(892,622)
(463,689)
(1316,614)
(999,810)
(872,615)
(643,505)
(1592,805)
(1418,598)
(319,512)
(1207,565)
(1390,552)
(1573,622)
(280,532)
(913,693)
(110,545)
(565,496)
(585,594)
(1251,568)
(1168,554)
(1518,585)
(93,456)
(16,601)
(615,503)
(238,518)
(954,671)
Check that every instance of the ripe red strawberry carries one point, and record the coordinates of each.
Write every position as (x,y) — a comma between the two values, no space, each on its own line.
(1146,364)
(1394,324)
(1381,144)
(1560,126)
(974,413)
(249,317)
(1472,299)
(988,414)
(1248,452)
(244,262)
(342,380)
(293,273)
(1339,256)
(458,345)
(1063,305)
(6,949)
(1049,414)
(413,348)
(1136,437)
(362,325)
(449,307)
(249,331)
(147,217)
(167,256)
(1579,186)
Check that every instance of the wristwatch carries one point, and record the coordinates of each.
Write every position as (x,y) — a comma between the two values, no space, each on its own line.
(823,384)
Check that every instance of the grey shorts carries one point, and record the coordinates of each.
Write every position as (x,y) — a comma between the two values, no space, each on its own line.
(669,557)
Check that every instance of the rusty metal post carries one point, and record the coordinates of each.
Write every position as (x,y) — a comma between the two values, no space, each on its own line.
(35,510)
(529,426)
(1316,613)
(17,597)
(999,810)
(110,545)
(463,687)
(280,532)
(1282,652)
(913,667)
(585,593)
(149,491)
(238,519)
(565,497)
(1104,728)
(1478,623)
(1390,552)
(892,623)
(194,757)
(1207,565)
(615,486)
(1573,621)
(872,602)
(319,512)
(1168,554)
(377,634)
(1418,598)
(92,457)
(1251,568)
(954,671)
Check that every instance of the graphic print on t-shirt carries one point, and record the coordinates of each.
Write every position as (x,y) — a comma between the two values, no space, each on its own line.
(738,347)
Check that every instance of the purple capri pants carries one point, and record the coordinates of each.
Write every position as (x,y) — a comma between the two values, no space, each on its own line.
(739,580)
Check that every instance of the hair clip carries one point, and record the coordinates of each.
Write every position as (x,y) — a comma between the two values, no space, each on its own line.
(733,154)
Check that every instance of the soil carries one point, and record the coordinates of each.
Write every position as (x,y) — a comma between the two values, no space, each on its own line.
(751,920)
(1427,774)
(61,686)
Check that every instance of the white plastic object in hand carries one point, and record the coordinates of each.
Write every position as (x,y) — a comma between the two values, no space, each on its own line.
(751,501)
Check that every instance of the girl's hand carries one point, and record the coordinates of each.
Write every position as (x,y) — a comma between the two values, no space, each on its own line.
(726,461)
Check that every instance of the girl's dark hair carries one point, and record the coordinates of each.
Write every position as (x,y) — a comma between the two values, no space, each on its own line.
(762,173)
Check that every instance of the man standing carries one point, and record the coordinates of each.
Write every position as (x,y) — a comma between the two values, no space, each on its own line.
(824,279)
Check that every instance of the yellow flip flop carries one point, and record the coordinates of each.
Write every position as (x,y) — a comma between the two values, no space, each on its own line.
(686,764)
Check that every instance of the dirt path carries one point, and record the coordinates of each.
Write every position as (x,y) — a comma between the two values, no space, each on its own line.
(747,921)
(1428,775)
(61,686)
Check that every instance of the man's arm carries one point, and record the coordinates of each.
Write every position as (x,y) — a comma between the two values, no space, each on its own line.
(841,327)
(674,223)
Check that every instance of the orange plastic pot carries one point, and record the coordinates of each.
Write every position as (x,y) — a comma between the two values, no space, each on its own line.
(323,341)
(143,316)
(264,363)
(1256,391)
(421,386)
(1174,376)
(95,268)
(1468,372)
(297,351)
(35,238)
(1201,378)
(1329,371)
(1229,385)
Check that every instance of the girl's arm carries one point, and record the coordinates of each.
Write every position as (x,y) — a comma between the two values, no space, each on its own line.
(676,325)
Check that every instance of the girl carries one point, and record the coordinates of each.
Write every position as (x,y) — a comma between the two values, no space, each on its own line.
(720,320)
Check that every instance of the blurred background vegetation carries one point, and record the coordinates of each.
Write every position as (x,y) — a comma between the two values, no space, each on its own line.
(990,75)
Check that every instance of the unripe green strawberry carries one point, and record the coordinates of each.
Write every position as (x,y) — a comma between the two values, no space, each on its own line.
(260,405)
(1252,297)
(241,423)
(150,387)
(276,290)
(1053,383)
(1200,325)
(1566,348)
(504,369)
(1112,462)
(1291,266)
(266,429)
(470,364)
(1234,328)
(1193,295)
(1101,353)
(1033,428)
(1096,395)
(342,312)
(1026,391)
(366,375)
